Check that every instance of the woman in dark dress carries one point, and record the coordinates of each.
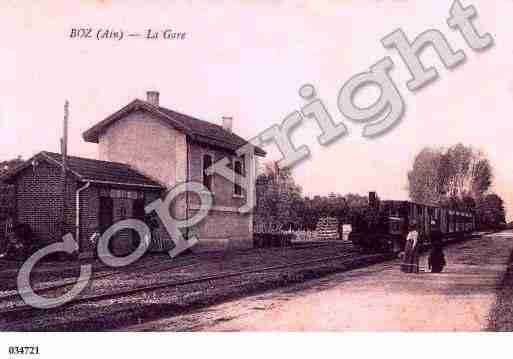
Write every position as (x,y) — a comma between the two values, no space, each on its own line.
(436,259)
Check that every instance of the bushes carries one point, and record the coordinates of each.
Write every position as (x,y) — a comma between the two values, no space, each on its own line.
(20,242)
(265,240)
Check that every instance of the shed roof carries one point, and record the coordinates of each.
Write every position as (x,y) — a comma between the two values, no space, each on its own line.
(89,170)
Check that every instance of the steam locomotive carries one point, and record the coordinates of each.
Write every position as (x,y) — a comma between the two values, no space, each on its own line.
(383,226)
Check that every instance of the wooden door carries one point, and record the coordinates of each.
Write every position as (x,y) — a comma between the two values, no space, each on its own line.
(106,215)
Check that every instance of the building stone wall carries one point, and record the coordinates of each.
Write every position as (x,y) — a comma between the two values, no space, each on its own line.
(166,154)
(222,188)
(224,228)
(223,231)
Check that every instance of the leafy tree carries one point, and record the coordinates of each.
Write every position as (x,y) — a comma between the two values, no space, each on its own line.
(490,211)
(279,201)
(343,208)
(459,178)
(466,172)
(9,165)
(449,177)
(277,197)
(356,200)
(7,199)
(425,180)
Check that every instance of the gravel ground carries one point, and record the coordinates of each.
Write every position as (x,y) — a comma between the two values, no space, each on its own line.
(190,267)
(375,298)
(54,272)
(501,316)
(144,306)
(188,307)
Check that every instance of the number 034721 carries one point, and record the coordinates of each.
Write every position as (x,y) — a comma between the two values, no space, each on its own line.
(24,350)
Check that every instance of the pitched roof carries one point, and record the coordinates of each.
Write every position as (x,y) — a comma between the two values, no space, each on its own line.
(89,170)
(199,130)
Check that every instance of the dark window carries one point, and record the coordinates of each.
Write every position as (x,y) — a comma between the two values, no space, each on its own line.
(237,168)
(207,179)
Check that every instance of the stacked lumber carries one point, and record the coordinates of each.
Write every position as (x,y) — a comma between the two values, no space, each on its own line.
(327,228)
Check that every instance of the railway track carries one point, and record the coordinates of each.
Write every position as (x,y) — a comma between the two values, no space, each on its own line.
(116,308)
(125,293)
(182,265)
(213,288)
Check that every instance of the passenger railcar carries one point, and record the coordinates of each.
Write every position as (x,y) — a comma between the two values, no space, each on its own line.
(383,226)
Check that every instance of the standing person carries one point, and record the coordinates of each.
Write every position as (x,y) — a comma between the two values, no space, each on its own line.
(411,250)
(436,259)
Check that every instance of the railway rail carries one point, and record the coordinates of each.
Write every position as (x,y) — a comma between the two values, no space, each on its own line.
(146,268)
(123,293)
(212,288)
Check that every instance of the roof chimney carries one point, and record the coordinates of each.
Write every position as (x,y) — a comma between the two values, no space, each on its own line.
(227,123)
(153,97)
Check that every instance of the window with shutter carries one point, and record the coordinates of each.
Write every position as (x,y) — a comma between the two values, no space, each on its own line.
(207,179)
(238,169)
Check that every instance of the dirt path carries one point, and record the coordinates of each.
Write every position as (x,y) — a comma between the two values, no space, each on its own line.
(379,297)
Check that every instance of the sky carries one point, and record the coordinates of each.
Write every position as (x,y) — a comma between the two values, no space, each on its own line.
(248,59)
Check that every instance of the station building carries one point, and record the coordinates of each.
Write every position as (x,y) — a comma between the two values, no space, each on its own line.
(144,150)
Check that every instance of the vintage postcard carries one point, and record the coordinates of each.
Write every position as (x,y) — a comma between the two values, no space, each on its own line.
(253,166)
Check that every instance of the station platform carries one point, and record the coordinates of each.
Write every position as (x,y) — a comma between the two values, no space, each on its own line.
(376,298)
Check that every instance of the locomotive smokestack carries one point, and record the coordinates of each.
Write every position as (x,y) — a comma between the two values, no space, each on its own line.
(373,199)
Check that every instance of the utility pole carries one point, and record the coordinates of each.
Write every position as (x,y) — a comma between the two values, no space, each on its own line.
(64,154)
